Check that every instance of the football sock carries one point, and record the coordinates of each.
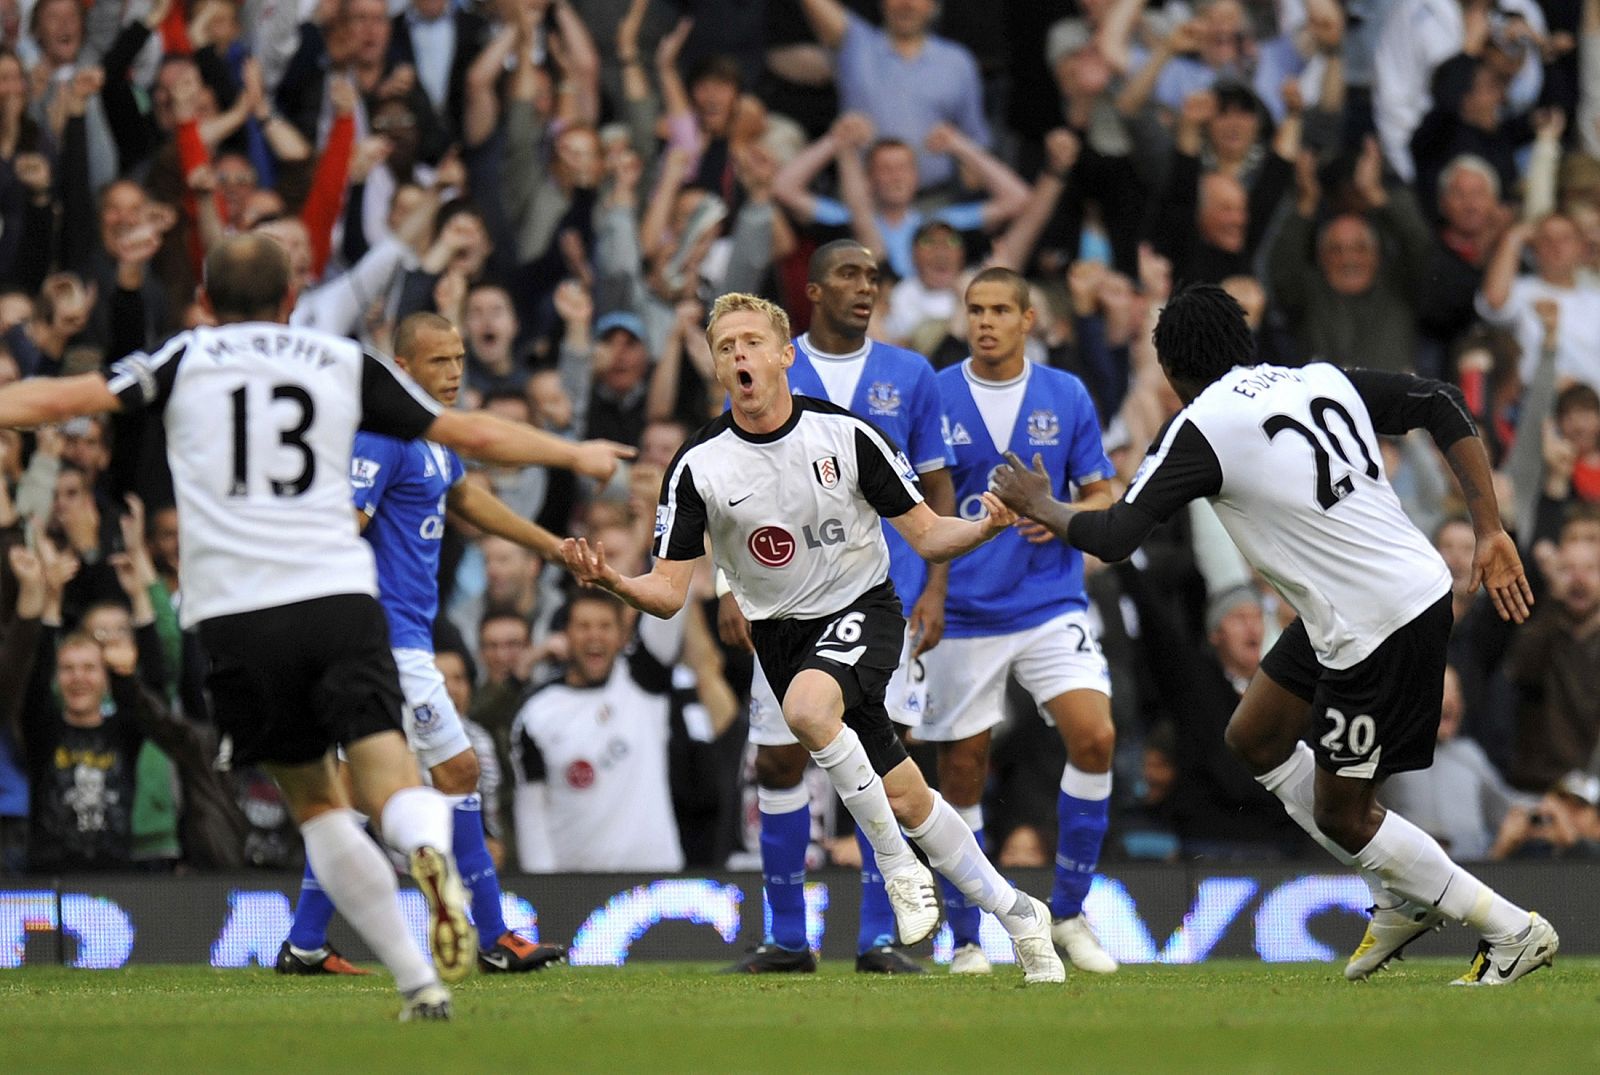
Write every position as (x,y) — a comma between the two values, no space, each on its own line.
(352,871)
(417,817)
(953,851)
(477,868)
(963,915)
(877,917)
(1412,863)
(308,932)
(845,762)
(785,835)
(1082,814)
(1294,783)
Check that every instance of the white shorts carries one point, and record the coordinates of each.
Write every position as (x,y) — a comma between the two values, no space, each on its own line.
(906,699)
(433,727)
(967,680)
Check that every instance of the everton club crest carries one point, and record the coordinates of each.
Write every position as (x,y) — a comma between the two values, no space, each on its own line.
(883,398)
(827,471)
(1043,427)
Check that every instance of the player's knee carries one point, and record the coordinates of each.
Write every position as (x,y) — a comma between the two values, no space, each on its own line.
(813,721)
(1090,749)
(457,775)
(1259,749)
(779,768)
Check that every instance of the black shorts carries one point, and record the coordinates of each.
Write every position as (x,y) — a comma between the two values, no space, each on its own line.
(289,683)
(859,646)
(1380,716)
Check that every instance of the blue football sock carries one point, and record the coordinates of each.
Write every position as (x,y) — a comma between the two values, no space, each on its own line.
(785,835)
(477,869)
(312,913)
(1082,813)
(877,917)
(964,917)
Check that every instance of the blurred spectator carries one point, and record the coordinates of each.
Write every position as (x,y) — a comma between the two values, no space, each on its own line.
(1508,299)
(1555,662)
(593,790)
(907,80)
(1471,220)
(1355,304)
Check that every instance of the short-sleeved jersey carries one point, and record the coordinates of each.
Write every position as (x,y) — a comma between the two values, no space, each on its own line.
(1007,584)
(793,514)
(602,753)
(401,486)
(898,393)
(1290,460)
(260,418)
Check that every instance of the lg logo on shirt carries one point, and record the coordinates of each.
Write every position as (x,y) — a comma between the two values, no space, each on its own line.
(773,546)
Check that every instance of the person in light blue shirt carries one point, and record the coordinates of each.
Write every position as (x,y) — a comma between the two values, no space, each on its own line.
(1017,606)
(403,491)
(906,79)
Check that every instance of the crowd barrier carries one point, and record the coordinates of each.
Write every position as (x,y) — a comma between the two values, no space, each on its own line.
(1144,914)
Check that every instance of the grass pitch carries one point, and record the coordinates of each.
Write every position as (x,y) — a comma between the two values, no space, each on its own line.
(1223,1017)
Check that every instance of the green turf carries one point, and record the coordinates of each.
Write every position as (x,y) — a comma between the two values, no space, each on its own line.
(1233,1017)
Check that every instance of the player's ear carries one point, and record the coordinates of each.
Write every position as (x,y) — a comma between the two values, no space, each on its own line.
(786,356)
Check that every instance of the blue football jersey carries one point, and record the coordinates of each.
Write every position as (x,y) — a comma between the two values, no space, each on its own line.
(1008,584)
(898,392)
(402,487)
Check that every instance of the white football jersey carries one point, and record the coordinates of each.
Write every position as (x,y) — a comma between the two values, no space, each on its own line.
(260,418)
(793,515)
(1289,458)
(601,754)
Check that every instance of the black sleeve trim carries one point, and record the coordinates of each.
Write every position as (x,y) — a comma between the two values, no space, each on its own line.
(1399,403)
(391,404)
(1182,466)
(680,530)
(144,382)
(886,477)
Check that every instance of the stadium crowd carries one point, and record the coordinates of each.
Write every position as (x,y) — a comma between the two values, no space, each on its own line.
(1408,185)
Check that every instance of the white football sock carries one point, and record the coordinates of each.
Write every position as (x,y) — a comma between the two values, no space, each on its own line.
(353,873)
(953,851)
(1413,864)
(1294,783)
(418,817)
(845,762)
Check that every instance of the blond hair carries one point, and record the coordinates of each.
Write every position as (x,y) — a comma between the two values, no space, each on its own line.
(738,302)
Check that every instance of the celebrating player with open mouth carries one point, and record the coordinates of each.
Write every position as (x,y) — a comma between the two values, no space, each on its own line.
(791,491)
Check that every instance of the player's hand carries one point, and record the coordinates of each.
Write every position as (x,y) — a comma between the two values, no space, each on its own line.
(1035,533)
(598,458)
(732,627)
(926,622)
(1023,490)
(588,563)
(1497,566)
(1000,516)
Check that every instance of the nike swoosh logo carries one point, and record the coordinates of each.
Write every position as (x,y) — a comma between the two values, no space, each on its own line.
(865,786)
(1505,971)
(741,500)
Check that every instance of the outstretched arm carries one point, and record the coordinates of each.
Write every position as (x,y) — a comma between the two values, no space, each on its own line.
(49,400)
(495,440)
(492,515)
(660,592)
(940,538)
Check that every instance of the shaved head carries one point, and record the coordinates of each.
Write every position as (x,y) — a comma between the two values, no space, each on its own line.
(247,278)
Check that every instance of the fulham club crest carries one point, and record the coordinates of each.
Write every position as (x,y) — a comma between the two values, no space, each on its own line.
(827,471)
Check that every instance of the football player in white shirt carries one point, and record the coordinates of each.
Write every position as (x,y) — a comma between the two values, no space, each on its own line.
(791,491)
(1289,459)
(260,418)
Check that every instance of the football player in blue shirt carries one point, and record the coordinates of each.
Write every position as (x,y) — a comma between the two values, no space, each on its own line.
(1017,606)
(895,390)
(403,491)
